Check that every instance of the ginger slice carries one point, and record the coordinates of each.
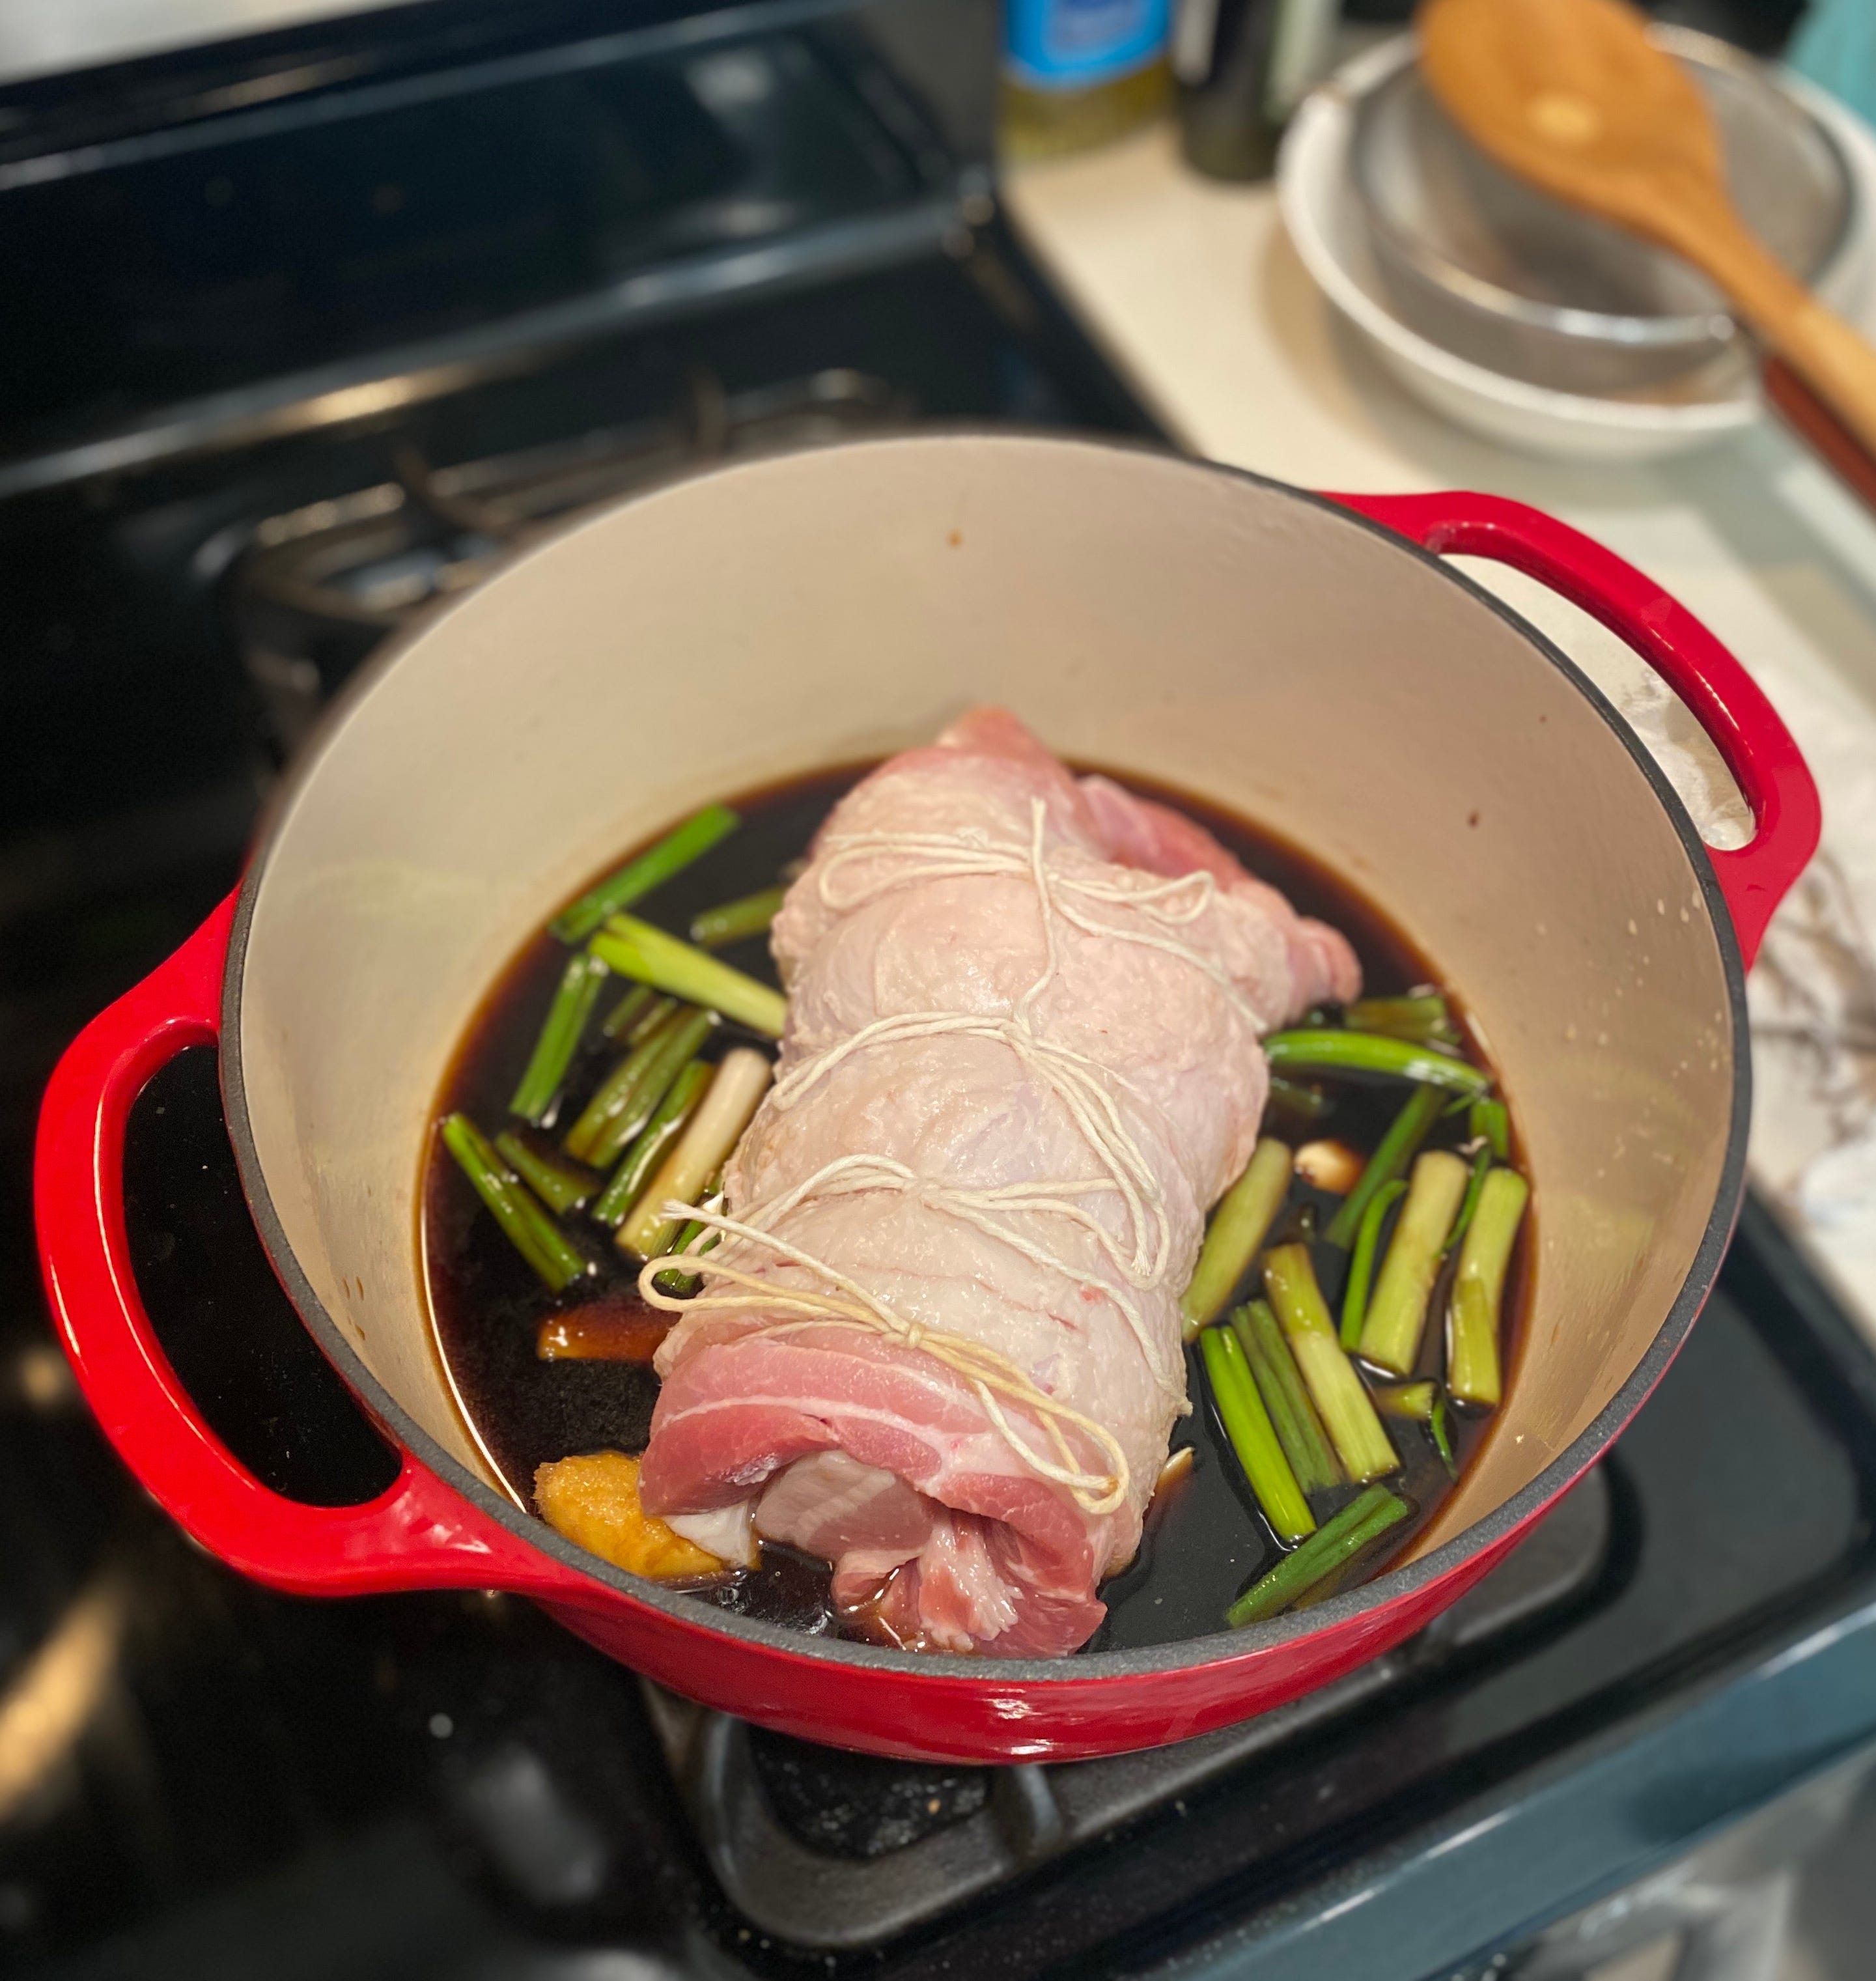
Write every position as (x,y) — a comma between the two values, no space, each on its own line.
(593,1501)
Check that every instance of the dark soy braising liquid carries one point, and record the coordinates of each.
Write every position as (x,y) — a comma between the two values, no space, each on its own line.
(1205,1540)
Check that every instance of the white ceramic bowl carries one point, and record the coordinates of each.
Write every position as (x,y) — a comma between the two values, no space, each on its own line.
(1322,211)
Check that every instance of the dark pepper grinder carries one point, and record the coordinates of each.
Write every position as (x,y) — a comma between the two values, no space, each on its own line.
(1241,68)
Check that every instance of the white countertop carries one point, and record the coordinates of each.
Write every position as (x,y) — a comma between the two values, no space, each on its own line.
(1194,291)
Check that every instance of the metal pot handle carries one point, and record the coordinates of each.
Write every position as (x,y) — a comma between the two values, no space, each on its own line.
(418,1533)
(1723,698)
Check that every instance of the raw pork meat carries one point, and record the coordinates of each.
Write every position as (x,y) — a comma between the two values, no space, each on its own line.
(1000,1116)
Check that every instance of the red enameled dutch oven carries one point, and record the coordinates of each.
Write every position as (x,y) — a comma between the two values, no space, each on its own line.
(1307,661)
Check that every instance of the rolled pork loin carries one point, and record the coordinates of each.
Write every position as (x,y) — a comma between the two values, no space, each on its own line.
(939,1343)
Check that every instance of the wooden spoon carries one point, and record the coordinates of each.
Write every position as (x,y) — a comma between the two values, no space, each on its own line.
(1573,96)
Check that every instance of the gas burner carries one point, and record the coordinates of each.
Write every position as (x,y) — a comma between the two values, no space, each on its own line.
(319,586)
(832,1850)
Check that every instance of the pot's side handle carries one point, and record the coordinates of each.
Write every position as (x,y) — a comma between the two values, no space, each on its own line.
(1724,698)
(419,1533)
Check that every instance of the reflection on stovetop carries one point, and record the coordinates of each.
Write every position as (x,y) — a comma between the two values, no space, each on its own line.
(212,261)
(318,587)
(132,603)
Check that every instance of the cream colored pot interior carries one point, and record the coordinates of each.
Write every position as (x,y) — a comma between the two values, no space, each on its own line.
(1140,613)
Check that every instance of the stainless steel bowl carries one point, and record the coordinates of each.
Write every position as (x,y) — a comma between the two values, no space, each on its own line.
(1501,274)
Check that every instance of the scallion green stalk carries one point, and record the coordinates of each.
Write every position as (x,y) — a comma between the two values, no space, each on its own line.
(1395,1150)
(1273,1369)
(674,1279)
(735,921)
(1442,1436)
(652,868)
(670,1049)
(1423,1016)
(525,1224)
(1253,1437)
(1361,1262)
(1340,1397)
(623,1097)
(636,949)
(1397,1314)
(561,1184)
(654,1138)
(560,1033)
(1472,1370)
(1293,1097)
(1468,1205)
(1328,1050)
(1239,1226)
(622,1021)
(713,1131)
(1422,1403)
(1488,1118)
(1335,1544)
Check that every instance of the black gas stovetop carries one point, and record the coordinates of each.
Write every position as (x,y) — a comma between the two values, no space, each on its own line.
(200,1778)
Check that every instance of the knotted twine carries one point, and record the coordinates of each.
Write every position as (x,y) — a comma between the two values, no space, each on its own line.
(1079,1083)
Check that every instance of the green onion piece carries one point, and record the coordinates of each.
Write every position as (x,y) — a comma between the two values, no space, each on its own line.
(614,1093)
(1422,1403)
(655,1014)
(1397,1314)
(737,921)
(561,1184)
(692,1229)
(560,1034)
(1252,1435)
(673,1280)
(1442,1436)
(1472,1373)
(1339,1396)
(672,854)
(1239,1226)
(1412,1400)
(622,1019)
(1361,1262)
(711,1133)
(1291,1097)
(1395,1150)
(1490,1119)
(1424,1016)
(666,1123)
(1337,1542)
(1273,1369)
(527,1228)
(1482,1162)
(674,1048)
(1328,1050)
(636,949)
(624,1104)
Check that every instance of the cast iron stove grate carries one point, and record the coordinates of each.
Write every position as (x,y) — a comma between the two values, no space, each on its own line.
(320,586)
(826,1848)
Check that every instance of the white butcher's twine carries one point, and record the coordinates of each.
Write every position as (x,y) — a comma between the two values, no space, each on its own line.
(1078,1082)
